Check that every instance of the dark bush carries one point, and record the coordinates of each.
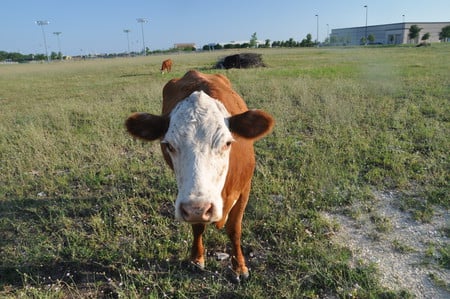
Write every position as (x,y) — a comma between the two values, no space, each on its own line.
(243,60)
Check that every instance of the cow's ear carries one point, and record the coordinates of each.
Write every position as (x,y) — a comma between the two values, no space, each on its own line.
(252,124)
(147,126)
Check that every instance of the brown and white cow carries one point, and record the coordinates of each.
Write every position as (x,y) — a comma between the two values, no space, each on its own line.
(207,135)
(166,66)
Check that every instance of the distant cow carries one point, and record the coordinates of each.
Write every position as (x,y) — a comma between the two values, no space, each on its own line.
(207,135)
(166,66)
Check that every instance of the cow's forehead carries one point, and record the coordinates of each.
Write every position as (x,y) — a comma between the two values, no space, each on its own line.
(199,102)
(198,117)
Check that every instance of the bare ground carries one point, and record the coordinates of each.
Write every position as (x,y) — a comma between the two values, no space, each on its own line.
(404,250)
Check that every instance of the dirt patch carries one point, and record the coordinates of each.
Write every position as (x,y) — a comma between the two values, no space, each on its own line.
(404,250)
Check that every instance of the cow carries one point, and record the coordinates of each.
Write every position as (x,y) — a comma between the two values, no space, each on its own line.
(166,66)
(206,135)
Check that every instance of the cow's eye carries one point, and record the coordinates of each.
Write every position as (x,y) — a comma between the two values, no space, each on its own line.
(227,145)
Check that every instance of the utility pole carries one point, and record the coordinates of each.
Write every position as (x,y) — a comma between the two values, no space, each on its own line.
(59,44)
(142,21)
(127,31)
(365,34)
(42,24)
(328,34)
(317,29)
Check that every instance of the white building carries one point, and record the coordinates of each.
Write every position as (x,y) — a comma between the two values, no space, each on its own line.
(396,33)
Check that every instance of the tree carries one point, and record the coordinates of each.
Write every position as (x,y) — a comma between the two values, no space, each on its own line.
(444,35)
(40,57)
(414,31)
(253,40)
(307,42)
(371,38)
(290,43)
(425,37)
(55,56)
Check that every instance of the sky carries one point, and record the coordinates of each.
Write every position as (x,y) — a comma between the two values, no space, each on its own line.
(97,26)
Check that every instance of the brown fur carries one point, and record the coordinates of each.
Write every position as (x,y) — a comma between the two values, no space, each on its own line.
(167,65)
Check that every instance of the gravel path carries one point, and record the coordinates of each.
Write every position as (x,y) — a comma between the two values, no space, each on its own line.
(404,251)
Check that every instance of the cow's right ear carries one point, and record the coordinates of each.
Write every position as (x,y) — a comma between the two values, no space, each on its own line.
(147,126)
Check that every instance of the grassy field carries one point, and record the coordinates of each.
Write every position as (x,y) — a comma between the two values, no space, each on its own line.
(86,211)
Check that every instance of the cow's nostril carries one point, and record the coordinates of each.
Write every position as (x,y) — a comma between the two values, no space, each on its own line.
(209,211)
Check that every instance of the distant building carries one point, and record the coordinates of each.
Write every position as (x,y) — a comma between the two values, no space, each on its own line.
(182,46)
(396,33)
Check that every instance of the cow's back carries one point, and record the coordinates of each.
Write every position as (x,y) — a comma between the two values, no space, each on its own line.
(215,85)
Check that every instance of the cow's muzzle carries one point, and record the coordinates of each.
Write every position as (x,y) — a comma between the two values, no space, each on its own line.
(198,212)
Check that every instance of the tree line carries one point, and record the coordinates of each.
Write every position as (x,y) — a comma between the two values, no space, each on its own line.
(253,43)
(414,32)
(19,57)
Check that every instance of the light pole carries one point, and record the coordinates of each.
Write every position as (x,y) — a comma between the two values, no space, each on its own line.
(142,21)
(328,34)
(59,44)
(127,31)
(403,18)
(42,23)
(365,33)
(317,29)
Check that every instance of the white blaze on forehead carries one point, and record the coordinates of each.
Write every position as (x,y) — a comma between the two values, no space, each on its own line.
(198,136)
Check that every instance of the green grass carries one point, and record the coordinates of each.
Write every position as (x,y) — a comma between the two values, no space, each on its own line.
(85,210)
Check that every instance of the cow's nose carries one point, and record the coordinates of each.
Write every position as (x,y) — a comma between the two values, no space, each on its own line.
(197,213)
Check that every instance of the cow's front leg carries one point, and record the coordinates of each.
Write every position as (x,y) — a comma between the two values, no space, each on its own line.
(234,232)
(237,260)
(197,250)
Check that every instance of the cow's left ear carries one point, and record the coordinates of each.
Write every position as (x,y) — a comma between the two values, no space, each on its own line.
(147,126)
(252,124)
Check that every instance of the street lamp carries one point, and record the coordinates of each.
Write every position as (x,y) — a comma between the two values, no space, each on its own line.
(142,21)
(365,34)
(328,33)
(42,23)
(403,16)
(127,31)
(317,40)
(59,44)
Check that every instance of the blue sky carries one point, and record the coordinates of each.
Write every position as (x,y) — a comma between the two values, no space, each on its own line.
(96,26)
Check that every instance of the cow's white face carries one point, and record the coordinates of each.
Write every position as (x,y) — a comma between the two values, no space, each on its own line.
(198,142)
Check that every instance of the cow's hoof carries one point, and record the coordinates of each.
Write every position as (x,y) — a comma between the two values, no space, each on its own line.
(238,276)
(197,265)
